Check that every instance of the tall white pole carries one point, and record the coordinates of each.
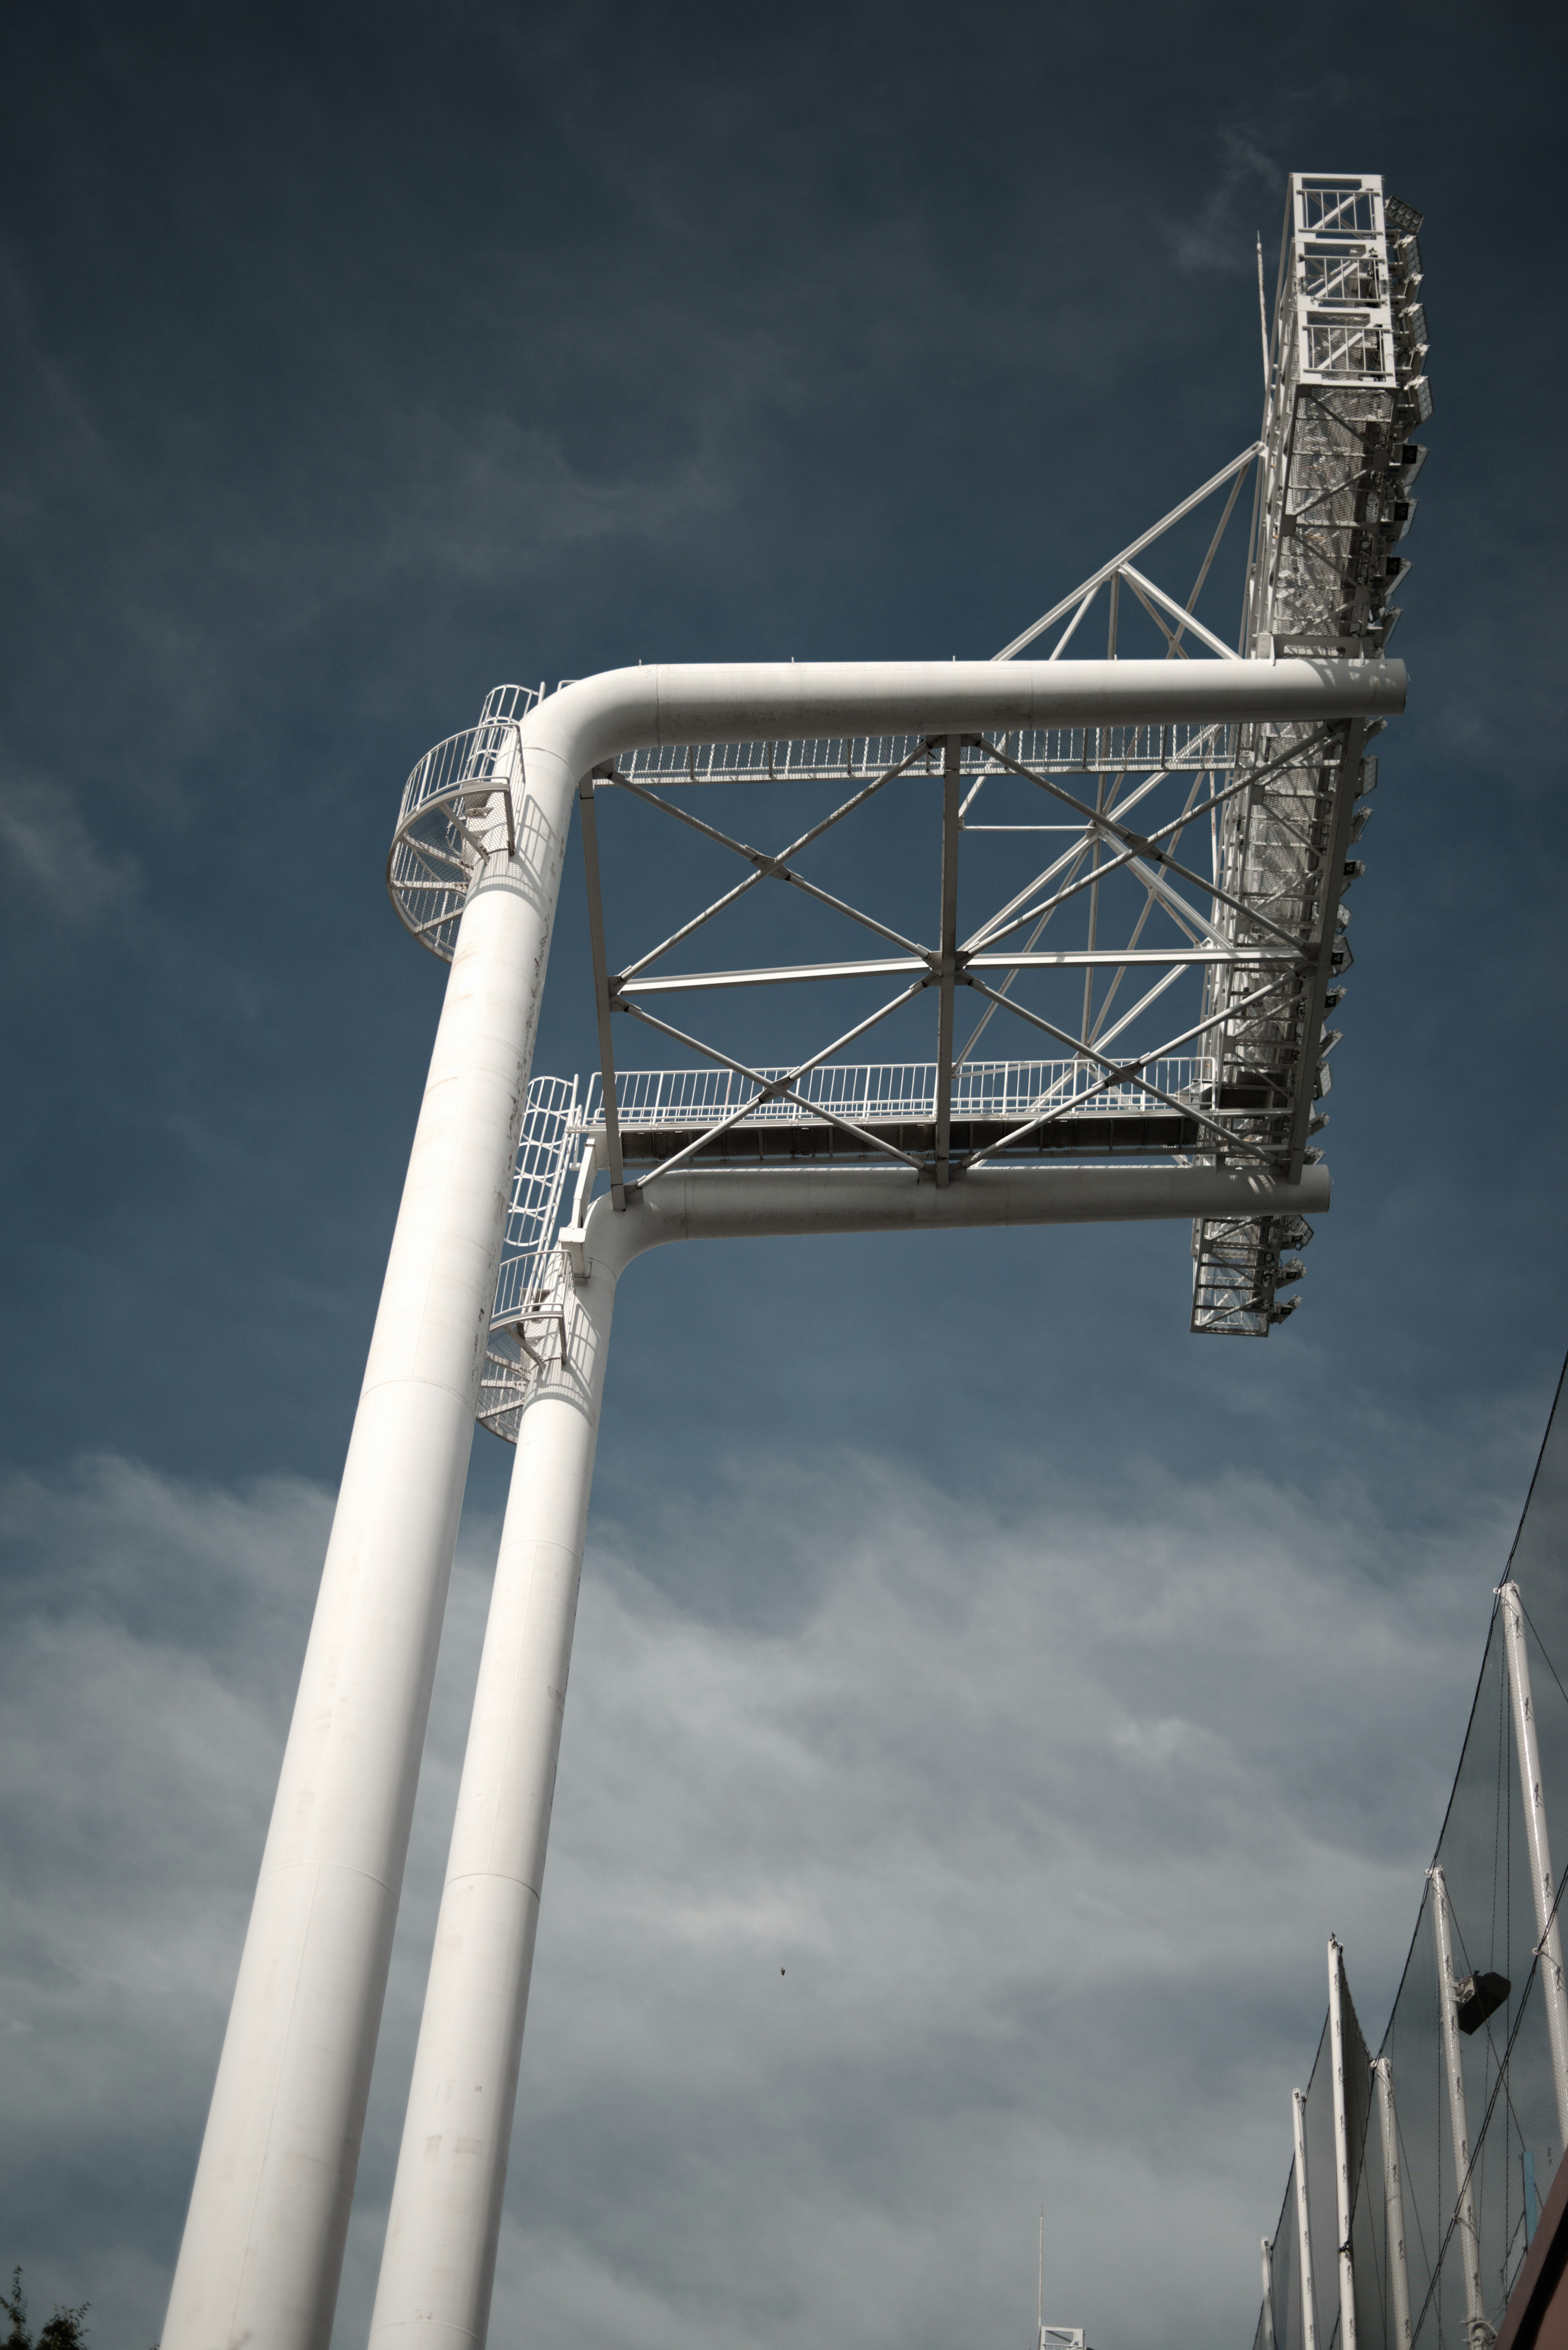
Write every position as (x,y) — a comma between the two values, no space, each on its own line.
(264,2240)
(262,2247)
(1304,2223)
(1268,2327)
(1542,1882)
(1341,2144)
(439,2265)
(1466,2234)
(1393,2205)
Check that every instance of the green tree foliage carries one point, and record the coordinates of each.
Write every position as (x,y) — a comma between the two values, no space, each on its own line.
(66,2330)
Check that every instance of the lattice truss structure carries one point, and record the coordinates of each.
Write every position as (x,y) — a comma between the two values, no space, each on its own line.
(1347,389)
(1157,911)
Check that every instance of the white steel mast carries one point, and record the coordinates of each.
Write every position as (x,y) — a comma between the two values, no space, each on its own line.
(262,2245)
(1542,1881)
(1304,2222)
(1393,2205)
(1477,2327)
(1341,2144)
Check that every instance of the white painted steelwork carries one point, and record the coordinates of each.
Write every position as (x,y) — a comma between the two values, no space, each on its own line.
(1393,2205)
(1346,388)
(263,2246)
(1268,2323)
(1466,2234)
(565,1137)
(1341,2144)
(881,1092)
(438,2269)
(1304,2222)
(1543,1878)
(1054,750)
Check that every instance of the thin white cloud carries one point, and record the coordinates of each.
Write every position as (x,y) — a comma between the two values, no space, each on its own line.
(1220,234)
(48,845)
(1044,1816)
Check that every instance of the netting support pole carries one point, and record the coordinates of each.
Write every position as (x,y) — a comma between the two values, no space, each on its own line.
(1468,2236)
(1341,2144)
(1304,2222)
(1542,1882)
(1267,2329)
(1393,2204)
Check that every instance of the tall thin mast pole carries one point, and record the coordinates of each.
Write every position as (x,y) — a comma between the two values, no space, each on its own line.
(438,2268)
(1268,2295)
(1542,1882)
(1341,2144)
(1464,2199)
(1393,2205)
(264,2241)
(1041,2296)
(1304,2223)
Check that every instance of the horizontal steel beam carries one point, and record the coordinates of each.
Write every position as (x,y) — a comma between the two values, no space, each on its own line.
(632,708)
(900,966)
(762,1204)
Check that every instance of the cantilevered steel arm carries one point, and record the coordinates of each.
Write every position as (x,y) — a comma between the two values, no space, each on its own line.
(265,2238)
(631,709)
(745,1203)
(440,2260)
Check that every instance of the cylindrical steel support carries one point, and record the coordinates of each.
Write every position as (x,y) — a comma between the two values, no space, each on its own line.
(1542,1882)
(264,2240)
(1267,2325)
(262,2247)
(1341,2144)
(1393,2208)
(1304,2222)
(439,2265)
(438,2268)
(1467,2235)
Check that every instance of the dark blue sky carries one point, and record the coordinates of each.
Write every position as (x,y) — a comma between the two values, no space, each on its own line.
(357,358)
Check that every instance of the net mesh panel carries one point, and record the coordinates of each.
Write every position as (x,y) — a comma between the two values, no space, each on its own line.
(1510,2100)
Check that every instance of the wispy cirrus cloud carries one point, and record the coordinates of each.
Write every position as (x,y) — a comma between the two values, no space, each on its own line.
(1220,234)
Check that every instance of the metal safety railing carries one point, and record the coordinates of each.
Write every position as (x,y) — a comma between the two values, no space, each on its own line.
(565,1119)
(564,1126)
(886,1091)
(1057,750)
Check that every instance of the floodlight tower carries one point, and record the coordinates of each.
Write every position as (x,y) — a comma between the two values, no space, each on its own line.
(491,1305)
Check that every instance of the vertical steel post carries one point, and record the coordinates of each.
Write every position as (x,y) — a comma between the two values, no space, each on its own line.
(1304,2223)
(1268,2295)
(263,2248)
(1466,2234)
(952,779)
(438,2268)
(1542,1882)
(1341,2144)
(1393,2205)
